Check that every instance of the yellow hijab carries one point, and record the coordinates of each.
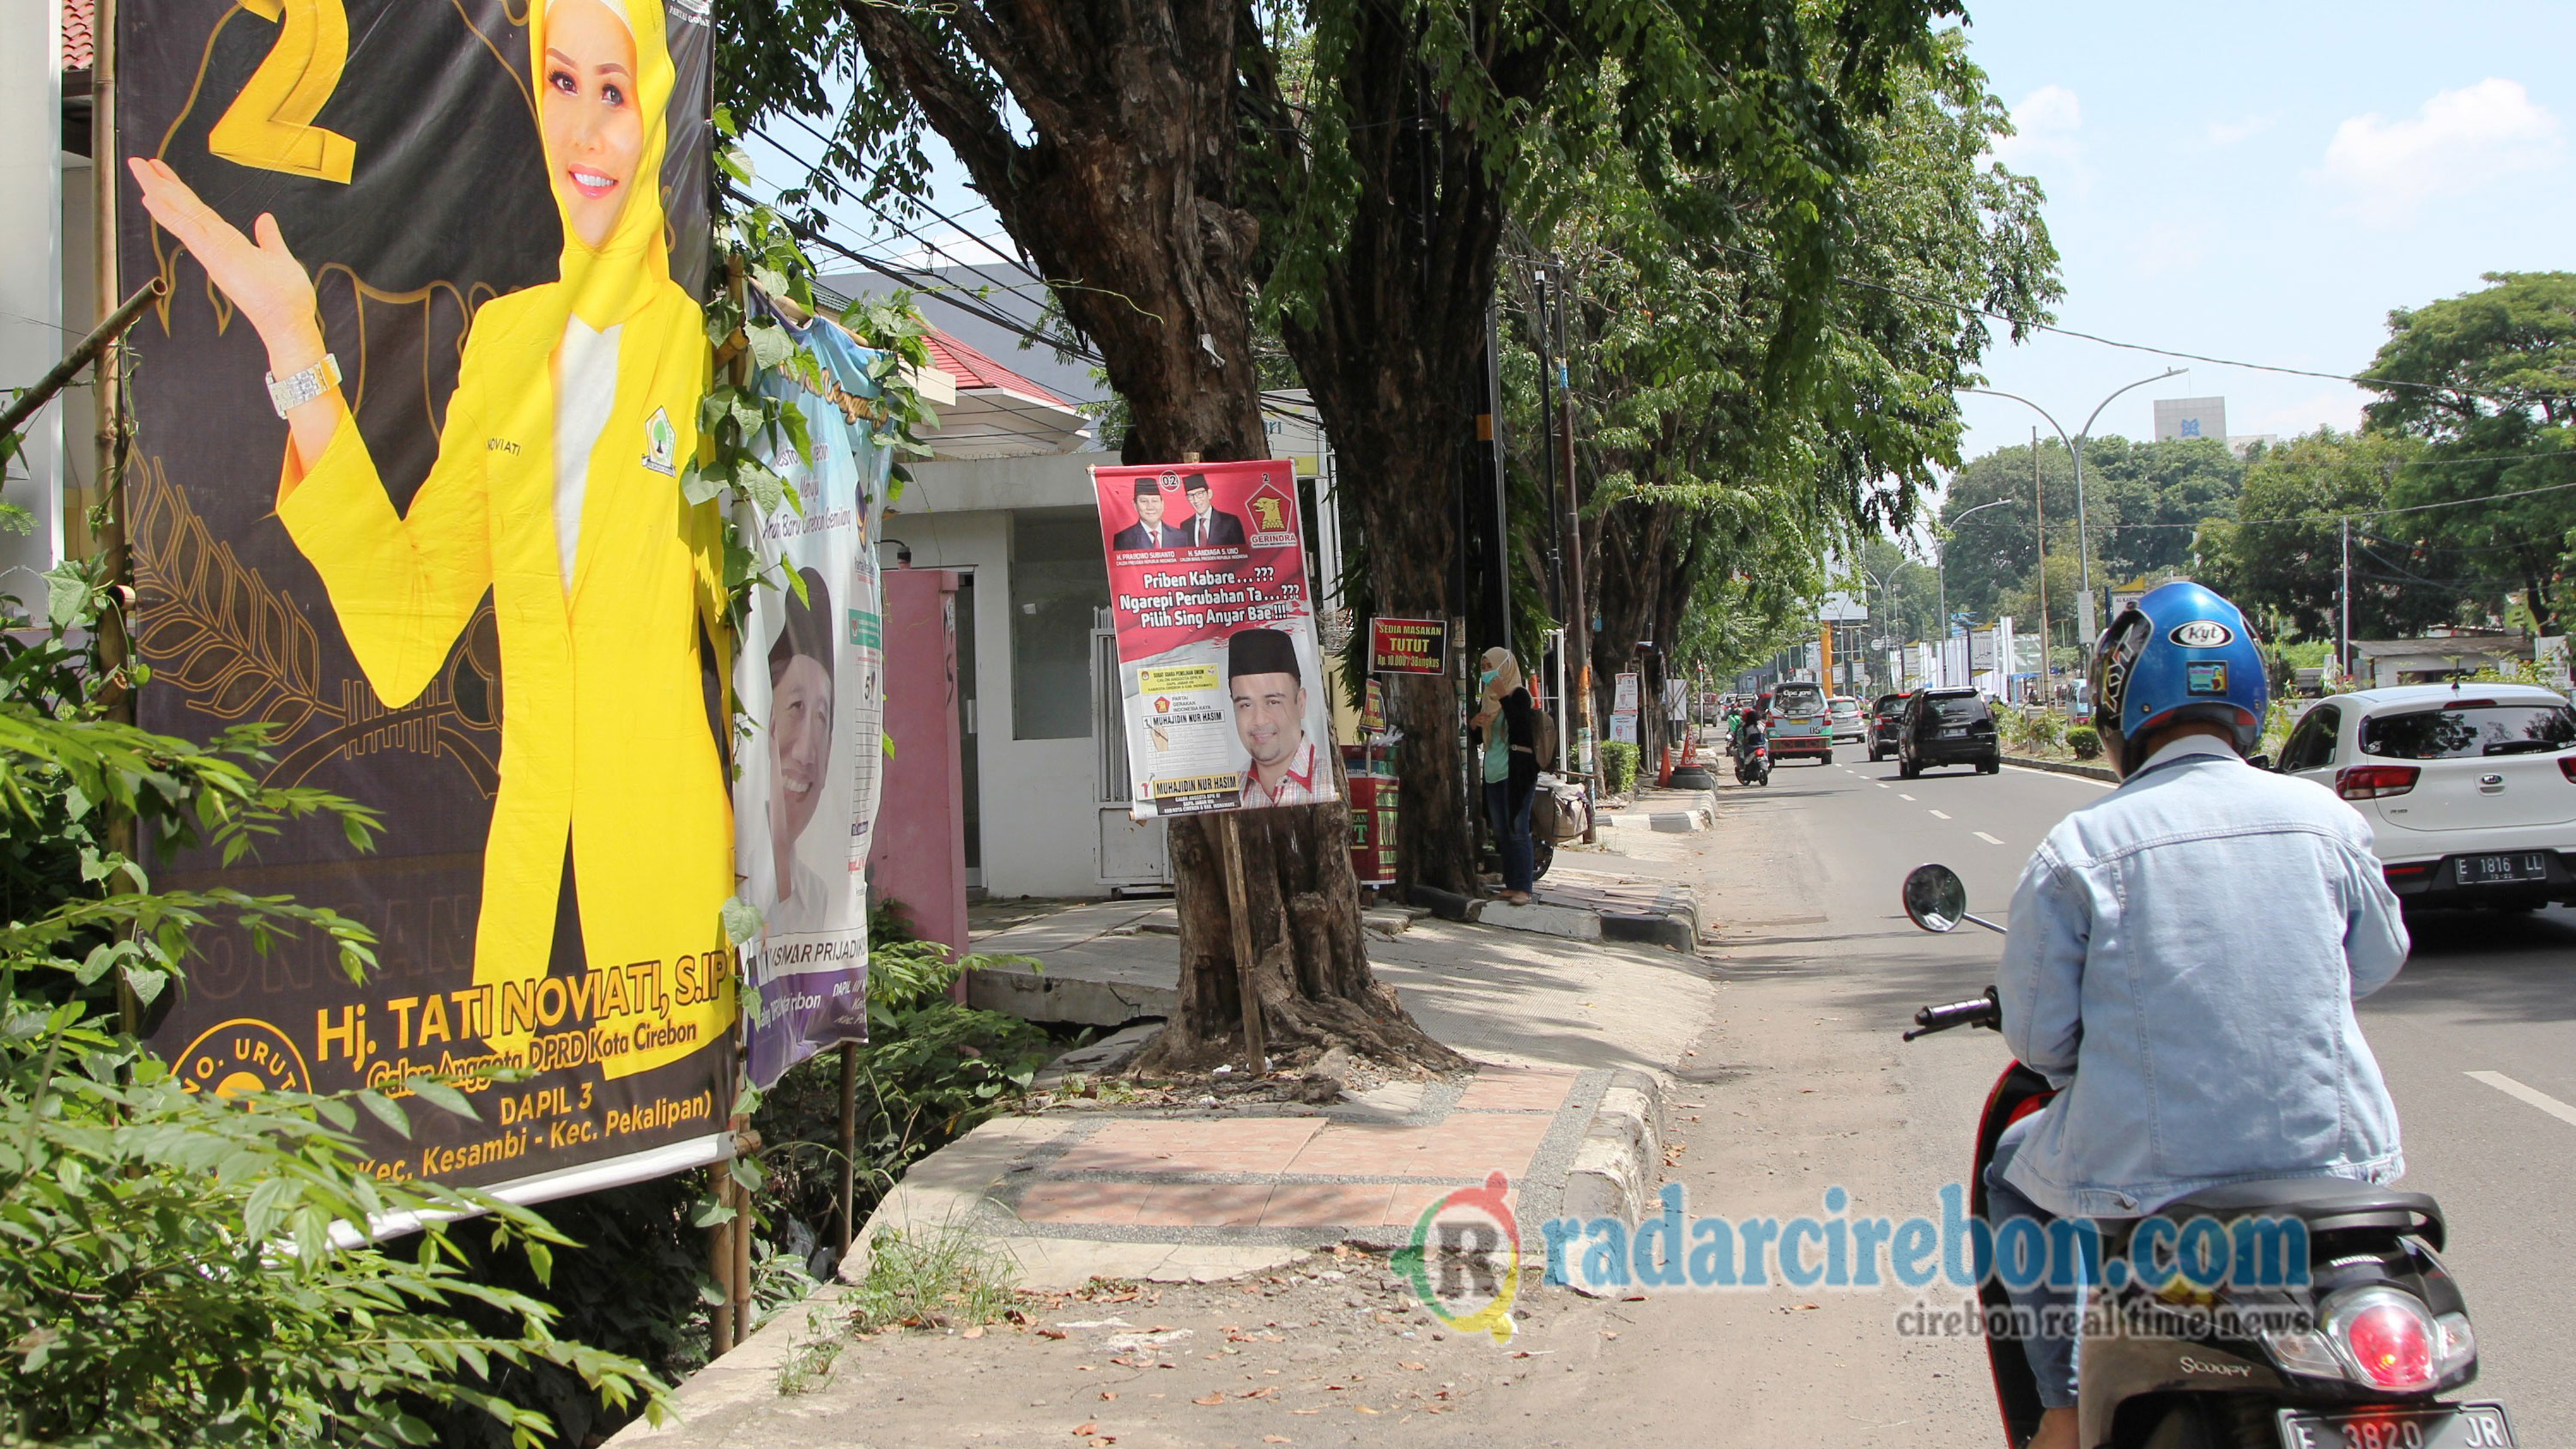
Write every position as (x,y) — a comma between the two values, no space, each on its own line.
(609,283)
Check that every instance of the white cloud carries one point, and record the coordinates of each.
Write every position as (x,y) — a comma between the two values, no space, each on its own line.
(2335,407)
(2044,131)
(2458,142)
(2228,133)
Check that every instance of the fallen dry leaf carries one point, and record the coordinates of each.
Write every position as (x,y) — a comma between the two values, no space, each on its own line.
(976,1332)
(1108,1393)
(1363,1408)
(1410,1364)
(1260,1393)
(1277,1439)
(1050,1333)
(1086,1427)
(1210,1399)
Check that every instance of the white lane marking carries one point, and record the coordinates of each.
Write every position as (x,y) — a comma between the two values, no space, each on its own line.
(1901,795)
(2532,1095)
(1938,815)
(1988,839)
(1882,784)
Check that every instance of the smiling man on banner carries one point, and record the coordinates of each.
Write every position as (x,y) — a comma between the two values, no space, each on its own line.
(1269,693)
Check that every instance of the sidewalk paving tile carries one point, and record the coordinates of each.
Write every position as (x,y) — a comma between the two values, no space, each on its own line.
(1326,1204)
(1195,1145)
(1516,1089)
(1084,1202)
(1203,1204)
(1412,1197)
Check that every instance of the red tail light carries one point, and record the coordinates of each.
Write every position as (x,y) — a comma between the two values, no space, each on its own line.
(2390,1337)
(2567,767)
(2374,782)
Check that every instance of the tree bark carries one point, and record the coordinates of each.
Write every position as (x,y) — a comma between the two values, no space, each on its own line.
(1125,195)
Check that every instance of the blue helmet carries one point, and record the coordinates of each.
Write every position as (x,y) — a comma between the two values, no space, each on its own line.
(2180,653)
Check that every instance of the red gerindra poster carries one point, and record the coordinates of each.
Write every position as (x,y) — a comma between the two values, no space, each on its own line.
(1217,657)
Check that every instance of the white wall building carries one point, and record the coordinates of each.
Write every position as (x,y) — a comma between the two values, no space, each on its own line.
(45,291)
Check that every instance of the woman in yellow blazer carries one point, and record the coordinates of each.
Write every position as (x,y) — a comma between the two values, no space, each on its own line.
(555,488)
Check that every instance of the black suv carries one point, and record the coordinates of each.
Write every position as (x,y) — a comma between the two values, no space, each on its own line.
(1885,718)
(1947,727)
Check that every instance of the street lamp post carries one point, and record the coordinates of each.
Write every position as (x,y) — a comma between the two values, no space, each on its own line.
(2075,449)
(1941,576)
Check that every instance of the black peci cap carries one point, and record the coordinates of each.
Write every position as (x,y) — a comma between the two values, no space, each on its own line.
(1262,651)
(1147,486)
(1196,483)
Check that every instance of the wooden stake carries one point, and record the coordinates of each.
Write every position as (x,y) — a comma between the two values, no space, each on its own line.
(1256,1054)
(849,1144)
(720,1266)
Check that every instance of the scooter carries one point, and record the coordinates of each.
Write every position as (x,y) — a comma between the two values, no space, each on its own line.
(1753,760)
(2358,1357)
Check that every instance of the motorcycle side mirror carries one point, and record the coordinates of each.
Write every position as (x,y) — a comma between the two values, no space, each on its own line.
(1935,898)
(2260,762)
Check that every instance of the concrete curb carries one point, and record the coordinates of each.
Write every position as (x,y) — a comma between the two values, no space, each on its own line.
(1621,1159)
(2062,767)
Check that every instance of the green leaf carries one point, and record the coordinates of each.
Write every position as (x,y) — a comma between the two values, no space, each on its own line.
(439,1094)
(386,1110)
(741,919)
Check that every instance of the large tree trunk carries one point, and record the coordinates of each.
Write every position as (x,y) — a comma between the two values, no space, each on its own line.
(1125,196)
(1391,351)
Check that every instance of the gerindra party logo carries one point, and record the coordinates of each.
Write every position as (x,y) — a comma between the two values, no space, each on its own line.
(1465,1259)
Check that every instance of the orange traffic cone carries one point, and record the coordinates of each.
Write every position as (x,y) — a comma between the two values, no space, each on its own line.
(1664,768)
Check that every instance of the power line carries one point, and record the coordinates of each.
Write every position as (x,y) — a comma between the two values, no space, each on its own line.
(1974,310)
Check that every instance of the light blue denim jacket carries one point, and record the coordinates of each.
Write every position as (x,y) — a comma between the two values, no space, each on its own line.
(2184,956)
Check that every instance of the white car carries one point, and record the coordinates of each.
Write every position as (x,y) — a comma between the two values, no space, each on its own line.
(2469,789)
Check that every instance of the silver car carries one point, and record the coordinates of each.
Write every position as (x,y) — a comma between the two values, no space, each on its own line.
(1848,721)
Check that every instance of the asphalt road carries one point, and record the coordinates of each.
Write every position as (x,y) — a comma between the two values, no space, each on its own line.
(1820,969)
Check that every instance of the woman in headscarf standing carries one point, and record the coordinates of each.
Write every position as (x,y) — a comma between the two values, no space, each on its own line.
(1510,729)
(556,489)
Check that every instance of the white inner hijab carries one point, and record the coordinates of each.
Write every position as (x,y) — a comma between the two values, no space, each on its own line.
(585,389)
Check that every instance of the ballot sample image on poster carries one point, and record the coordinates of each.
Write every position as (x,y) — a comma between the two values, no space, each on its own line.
(1224,684)
(406,486)
(810,682)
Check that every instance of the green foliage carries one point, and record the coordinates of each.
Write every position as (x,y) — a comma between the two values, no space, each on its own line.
(944,1278)
(1618,766)
(760,274)
(176,1266)
(2283,556)
(2036,730)
(2141,502)
(2085,741)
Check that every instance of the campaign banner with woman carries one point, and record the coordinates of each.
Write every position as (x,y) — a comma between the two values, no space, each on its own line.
(810,682)
(406,487)
(1224,684)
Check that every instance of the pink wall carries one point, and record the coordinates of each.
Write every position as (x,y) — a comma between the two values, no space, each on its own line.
(918,855)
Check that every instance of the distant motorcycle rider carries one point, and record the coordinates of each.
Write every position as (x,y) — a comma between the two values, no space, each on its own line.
(2183,960)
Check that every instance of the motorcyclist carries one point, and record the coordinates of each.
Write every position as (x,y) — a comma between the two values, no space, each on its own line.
(2183,960)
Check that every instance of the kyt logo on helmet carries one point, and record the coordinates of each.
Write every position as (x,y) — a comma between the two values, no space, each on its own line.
(2179,654)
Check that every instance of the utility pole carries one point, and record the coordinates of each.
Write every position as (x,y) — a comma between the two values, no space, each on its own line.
(2343,607)
(2039,526)
(2075,448)
(1578,614)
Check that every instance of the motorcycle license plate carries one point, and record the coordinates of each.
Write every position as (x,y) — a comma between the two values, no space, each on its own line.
(2452,1426)
(2501,869)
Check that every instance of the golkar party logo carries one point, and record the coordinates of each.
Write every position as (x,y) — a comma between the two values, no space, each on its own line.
(1465,1259)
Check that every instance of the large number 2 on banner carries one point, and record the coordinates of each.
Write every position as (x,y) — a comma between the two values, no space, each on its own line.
(270,124)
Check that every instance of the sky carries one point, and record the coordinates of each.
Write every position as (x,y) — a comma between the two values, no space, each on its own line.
(2263,182)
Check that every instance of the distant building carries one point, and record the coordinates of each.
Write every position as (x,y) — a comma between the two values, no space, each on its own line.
(2190,417)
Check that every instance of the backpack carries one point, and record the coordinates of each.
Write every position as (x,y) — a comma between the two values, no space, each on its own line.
(1543,735)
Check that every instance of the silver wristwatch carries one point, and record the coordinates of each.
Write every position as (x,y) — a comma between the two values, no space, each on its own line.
(290,393)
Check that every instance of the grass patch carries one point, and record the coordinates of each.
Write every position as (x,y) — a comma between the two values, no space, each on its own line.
(808,1365)
(940,1280)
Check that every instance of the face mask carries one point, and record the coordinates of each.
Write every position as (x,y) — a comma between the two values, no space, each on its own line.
(1485,680)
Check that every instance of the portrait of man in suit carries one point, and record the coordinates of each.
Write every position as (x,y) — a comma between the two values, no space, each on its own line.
(1206,527)
(1149,530)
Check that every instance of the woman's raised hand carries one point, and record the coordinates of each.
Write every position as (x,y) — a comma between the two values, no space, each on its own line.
(263,279)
